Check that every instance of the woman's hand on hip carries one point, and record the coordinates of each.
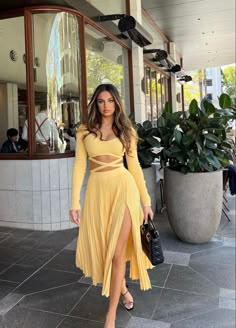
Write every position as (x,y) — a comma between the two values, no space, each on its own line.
(147,211)
(75,216)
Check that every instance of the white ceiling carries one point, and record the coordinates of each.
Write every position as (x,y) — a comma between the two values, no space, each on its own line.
(203,30)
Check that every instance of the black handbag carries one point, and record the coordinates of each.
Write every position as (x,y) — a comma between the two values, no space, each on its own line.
(151,243)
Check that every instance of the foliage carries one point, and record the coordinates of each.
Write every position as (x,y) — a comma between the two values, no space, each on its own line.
(229,80)
(196,141)
(146,143)
(100,69)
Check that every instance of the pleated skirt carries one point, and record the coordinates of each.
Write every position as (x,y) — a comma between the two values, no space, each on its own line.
(107,196)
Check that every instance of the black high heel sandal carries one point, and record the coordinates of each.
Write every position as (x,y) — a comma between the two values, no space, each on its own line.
(130,303)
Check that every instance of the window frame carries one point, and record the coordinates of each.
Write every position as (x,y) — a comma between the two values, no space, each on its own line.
(27,13)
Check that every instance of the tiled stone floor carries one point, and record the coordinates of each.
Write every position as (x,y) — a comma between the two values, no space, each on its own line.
(41,288)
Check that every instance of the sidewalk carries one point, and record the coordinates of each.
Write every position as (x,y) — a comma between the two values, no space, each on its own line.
(41,288)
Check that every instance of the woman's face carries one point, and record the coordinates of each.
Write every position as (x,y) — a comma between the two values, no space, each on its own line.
(106,104)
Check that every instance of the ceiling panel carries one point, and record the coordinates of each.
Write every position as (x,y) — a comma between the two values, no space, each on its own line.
(201,29)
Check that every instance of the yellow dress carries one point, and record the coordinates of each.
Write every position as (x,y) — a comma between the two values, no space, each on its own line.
(108,194)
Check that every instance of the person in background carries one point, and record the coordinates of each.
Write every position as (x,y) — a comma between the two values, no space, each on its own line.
(23,144)
(11,145)
(46,133)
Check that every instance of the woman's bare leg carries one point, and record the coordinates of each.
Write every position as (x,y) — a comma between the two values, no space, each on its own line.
(118,270)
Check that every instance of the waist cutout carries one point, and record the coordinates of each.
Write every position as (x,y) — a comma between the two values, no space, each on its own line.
(105,162)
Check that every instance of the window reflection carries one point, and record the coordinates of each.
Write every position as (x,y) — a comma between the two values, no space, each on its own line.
(56,81)
(13,101)
(107,62)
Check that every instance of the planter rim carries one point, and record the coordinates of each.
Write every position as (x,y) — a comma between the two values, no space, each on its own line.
(170,169)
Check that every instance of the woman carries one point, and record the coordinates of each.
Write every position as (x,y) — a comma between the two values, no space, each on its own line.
(111,216)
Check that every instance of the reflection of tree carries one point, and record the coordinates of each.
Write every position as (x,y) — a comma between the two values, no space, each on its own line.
(229,81)
(191,90)
(100,70)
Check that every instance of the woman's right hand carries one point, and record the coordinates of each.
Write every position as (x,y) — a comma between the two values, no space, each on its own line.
(75,216)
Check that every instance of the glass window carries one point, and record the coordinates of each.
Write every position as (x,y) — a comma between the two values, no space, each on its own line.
(148,108)
(13,100)
(107,62)
(209,83)
(154,96)
(56,81)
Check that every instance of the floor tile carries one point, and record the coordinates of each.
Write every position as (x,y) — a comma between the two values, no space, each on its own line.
(176,245)
(70,322)
(185,279)
(93,306)
(21,233)
(8,302)
(59,239)
(17,273)
(41,236)
(3,237)
(220,318)
(58,300)
(11,255)
(20,317)
(19,243)
(4,266)
(176,258)
(37,257)
(220,274)
(221,255)
(229,242)
(45,279)
(64,261)
(144,301)
(159,274)
(72,246)
(146,323)
(226,303)
(6,287)
(228,293)
(2,324)
(175,305)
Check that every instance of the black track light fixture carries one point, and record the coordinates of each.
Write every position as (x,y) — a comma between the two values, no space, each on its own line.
(129,27)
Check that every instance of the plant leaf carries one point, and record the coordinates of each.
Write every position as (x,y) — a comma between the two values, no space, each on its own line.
(177,136)
(211,145)
(224,101)
(213,161)
(212,137)
(153,142)
(167,108)
(193,107)
(147,124)
(161,122)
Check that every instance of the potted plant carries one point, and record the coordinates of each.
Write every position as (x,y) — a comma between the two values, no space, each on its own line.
(147,141)
(195,149)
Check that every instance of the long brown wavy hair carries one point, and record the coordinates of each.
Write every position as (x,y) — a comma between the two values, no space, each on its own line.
(122,126)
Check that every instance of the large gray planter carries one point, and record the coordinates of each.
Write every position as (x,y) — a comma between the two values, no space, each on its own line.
(150,178)
(194,204)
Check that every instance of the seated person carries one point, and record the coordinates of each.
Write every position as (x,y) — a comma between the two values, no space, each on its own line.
(11,145)
(23,143)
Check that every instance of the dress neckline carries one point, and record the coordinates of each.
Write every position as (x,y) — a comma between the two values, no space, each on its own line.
(108,139)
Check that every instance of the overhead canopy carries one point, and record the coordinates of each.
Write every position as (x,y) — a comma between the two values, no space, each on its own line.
(203,30)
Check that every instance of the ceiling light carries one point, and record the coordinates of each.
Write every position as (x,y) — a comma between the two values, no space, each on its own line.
(128,26)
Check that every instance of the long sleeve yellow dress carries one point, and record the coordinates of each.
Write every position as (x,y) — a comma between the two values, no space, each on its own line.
(108,194)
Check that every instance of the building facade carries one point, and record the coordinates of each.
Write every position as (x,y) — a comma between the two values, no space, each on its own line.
(52,57)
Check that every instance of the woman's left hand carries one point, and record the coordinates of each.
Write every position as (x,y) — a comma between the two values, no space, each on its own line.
(147,210)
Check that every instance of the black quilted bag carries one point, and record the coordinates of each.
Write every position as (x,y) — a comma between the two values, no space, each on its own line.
(151,243)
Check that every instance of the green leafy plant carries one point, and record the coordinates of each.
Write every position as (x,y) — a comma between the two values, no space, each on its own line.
(196,140)
(146,143)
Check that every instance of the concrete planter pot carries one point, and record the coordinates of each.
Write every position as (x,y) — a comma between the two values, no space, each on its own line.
(150,178)
(194,204)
